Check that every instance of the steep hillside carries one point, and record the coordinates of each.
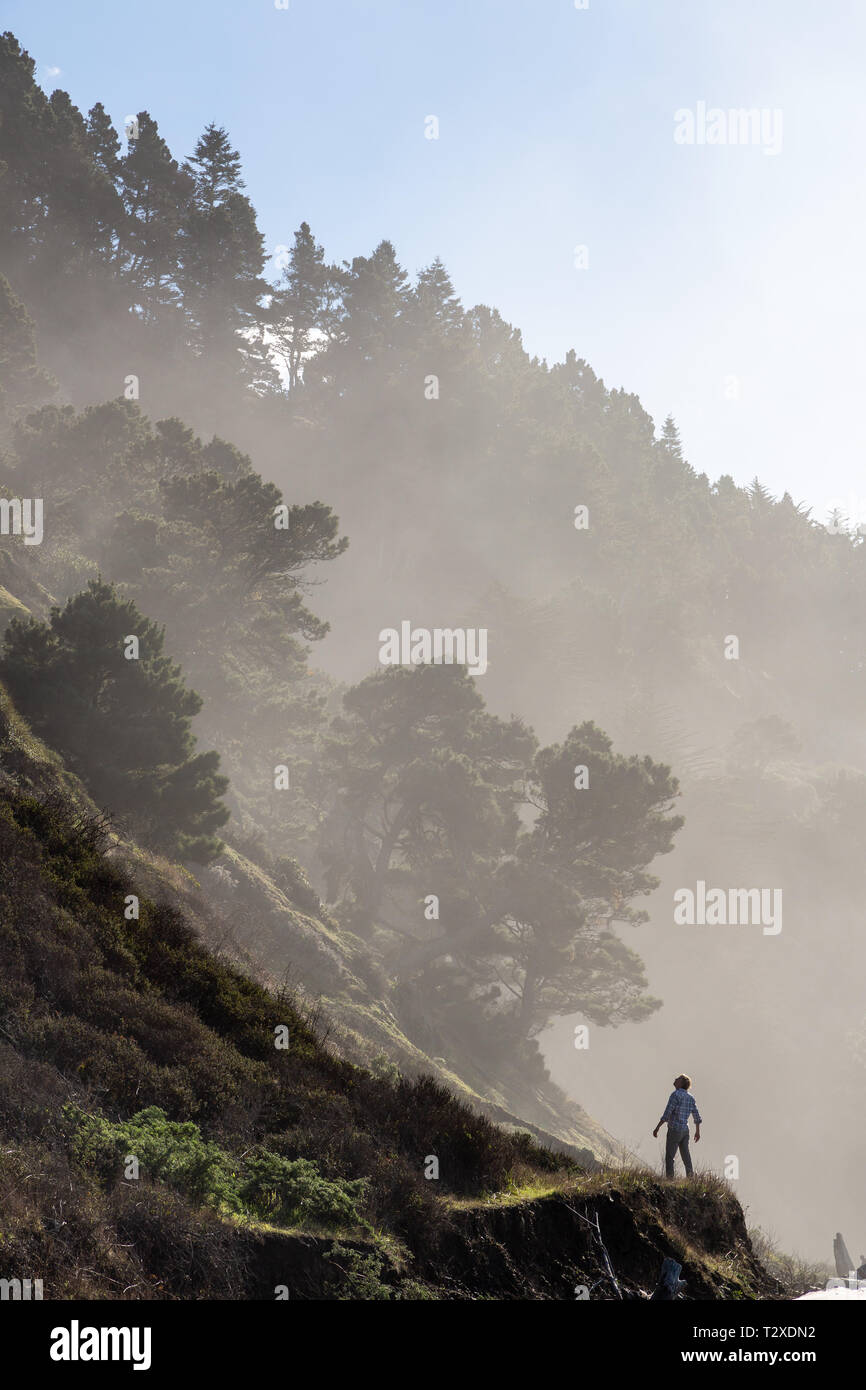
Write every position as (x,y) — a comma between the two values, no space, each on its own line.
(276,920)
(433,876)
(260,1167)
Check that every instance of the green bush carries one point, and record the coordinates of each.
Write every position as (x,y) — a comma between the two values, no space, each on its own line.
(262,1184)
(167,1151)
(361,1276)
(292,1190)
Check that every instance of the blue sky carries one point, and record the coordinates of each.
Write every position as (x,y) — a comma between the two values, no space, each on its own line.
(724,284)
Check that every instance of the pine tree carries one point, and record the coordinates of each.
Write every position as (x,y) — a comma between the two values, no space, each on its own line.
(760,495)
(156,194)
(103,144)
(58,206)
(215,168)
(122,723)
(103,141)
(576,873)
(670,440)
(22,381)
(25,139)
(302,308)
(421,784)
(376,301)
(222,262)
(437,308)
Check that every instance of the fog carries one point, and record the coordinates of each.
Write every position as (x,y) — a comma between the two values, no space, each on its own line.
(714,629)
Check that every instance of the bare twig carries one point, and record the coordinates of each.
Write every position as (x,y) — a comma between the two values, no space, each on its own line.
(594,1226)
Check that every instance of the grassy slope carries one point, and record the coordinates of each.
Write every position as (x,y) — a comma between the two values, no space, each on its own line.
(236,904)
(114,1015)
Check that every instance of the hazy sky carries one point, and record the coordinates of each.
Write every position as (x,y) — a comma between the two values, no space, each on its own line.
(707,263)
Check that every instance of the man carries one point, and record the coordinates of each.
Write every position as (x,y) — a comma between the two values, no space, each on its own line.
(677,1111)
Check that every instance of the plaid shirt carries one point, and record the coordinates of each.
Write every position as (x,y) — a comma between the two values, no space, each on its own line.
(681,1104)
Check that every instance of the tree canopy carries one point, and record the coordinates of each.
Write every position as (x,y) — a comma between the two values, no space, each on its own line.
(96,683)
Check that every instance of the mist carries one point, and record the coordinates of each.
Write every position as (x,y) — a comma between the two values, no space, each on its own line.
(529,671)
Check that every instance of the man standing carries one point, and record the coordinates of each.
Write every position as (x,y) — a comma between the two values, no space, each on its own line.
(677,1111)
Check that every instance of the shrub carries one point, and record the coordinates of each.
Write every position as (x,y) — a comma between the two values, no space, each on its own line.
(361,1275)
(361,1278)
(293,1190)
(795,1273)
(285,1191)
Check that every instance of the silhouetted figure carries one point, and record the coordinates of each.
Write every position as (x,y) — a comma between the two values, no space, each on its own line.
(677,1111)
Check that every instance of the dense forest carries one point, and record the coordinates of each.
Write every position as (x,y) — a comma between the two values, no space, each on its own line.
(252,468)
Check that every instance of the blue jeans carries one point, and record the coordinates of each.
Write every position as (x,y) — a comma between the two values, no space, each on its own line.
(677,1139)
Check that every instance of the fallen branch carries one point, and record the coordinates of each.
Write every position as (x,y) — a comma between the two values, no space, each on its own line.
(594,1226)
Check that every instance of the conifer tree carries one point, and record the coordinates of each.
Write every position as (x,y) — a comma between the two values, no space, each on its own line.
(221,263)
(22,381)
(437,308)
(103,141)
(122,721)
(376,301)
(25,138)
(57,204)
(155,194)
(302,307)
(670,440)
(103,144)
